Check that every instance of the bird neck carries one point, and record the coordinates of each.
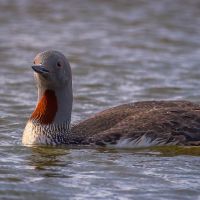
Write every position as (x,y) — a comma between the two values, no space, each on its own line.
(53,106)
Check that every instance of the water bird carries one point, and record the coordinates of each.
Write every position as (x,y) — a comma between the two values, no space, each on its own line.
(139,124)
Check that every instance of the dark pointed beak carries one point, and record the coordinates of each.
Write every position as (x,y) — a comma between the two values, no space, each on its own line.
(40,69)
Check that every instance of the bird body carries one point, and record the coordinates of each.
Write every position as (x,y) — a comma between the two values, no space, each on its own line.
(142,124)
(139,124)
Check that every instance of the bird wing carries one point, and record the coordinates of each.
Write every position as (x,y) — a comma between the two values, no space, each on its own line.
(176,122)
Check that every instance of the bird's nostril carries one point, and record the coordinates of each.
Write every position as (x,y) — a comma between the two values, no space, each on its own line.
(44,69)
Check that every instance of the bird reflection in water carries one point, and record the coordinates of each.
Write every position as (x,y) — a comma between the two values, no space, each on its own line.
(50,160)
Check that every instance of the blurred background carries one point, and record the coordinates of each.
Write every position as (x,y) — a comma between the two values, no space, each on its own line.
(120,51)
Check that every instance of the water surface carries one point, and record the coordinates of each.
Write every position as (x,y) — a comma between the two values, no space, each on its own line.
(120,51)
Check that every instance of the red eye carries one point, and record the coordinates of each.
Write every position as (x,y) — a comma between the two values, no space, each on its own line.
(58,64)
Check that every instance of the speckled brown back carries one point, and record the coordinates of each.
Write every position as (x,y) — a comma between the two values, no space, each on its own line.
(177,121)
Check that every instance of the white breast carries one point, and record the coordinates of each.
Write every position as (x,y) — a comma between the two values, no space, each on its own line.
(33,136)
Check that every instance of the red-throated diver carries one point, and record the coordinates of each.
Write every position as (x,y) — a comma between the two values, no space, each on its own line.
(137,124)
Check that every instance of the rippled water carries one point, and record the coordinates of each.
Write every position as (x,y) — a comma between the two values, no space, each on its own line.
(120,51)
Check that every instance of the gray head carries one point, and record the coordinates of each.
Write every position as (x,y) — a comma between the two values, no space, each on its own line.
(54,80)
(52,70)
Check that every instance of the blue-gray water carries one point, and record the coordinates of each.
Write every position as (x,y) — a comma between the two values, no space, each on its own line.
(120,51)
